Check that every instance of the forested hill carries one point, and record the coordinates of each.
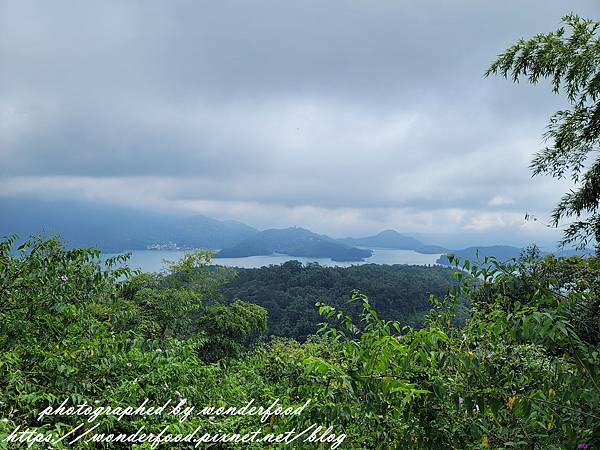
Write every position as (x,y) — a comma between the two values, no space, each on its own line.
(295,241)
(289,291)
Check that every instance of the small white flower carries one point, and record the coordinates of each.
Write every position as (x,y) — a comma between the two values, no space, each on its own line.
(460,400)
(128,364)
(166,387)
(158,350)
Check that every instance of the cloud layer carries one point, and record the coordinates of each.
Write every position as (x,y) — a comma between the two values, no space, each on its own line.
(345,116)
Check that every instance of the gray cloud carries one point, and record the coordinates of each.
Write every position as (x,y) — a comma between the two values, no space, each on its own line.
(344,116)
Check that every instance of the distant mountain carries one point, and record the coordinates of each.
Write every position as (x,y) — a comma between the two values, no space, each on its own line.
(393,239)
(294,242)
(116,229)
(475,254)
(574,252)
(502,253)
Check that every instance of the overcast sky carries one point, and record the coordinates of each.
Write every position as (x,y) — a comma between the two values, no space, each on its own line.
(346,117)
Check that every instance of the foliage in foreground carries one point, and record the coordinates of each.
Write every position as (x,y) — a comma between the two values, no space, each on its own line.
(569,59)
(523,372)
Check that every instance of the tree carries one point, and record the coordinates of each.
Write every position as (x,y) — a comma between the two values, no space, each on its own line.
(570,60)
(229,327)
(169,303)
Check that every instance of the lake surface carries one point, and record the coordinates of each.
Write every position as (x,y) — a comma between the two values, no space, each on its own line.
(151,260)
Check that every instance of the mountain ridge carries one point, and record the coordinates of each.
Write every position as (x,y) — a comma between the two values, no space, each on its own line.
(118,228)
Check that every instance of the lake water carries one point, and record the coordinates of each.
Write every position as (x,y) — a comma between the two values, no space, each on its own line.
(151,260)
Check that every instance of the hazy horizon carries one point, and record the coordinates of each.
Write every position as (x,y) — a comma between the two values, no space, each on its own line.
(49,216)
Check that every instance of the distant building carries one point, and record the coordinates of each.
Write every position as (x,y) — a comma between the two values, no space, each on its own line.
(164,246)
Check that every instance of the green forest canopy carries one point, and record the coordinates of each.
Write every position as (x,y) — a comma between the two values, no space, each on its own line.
(289,292)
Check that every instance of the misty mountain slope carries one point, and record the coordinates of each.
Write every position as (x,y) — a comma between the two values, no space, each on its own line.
(202,231)
(294,242)
(114,228)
